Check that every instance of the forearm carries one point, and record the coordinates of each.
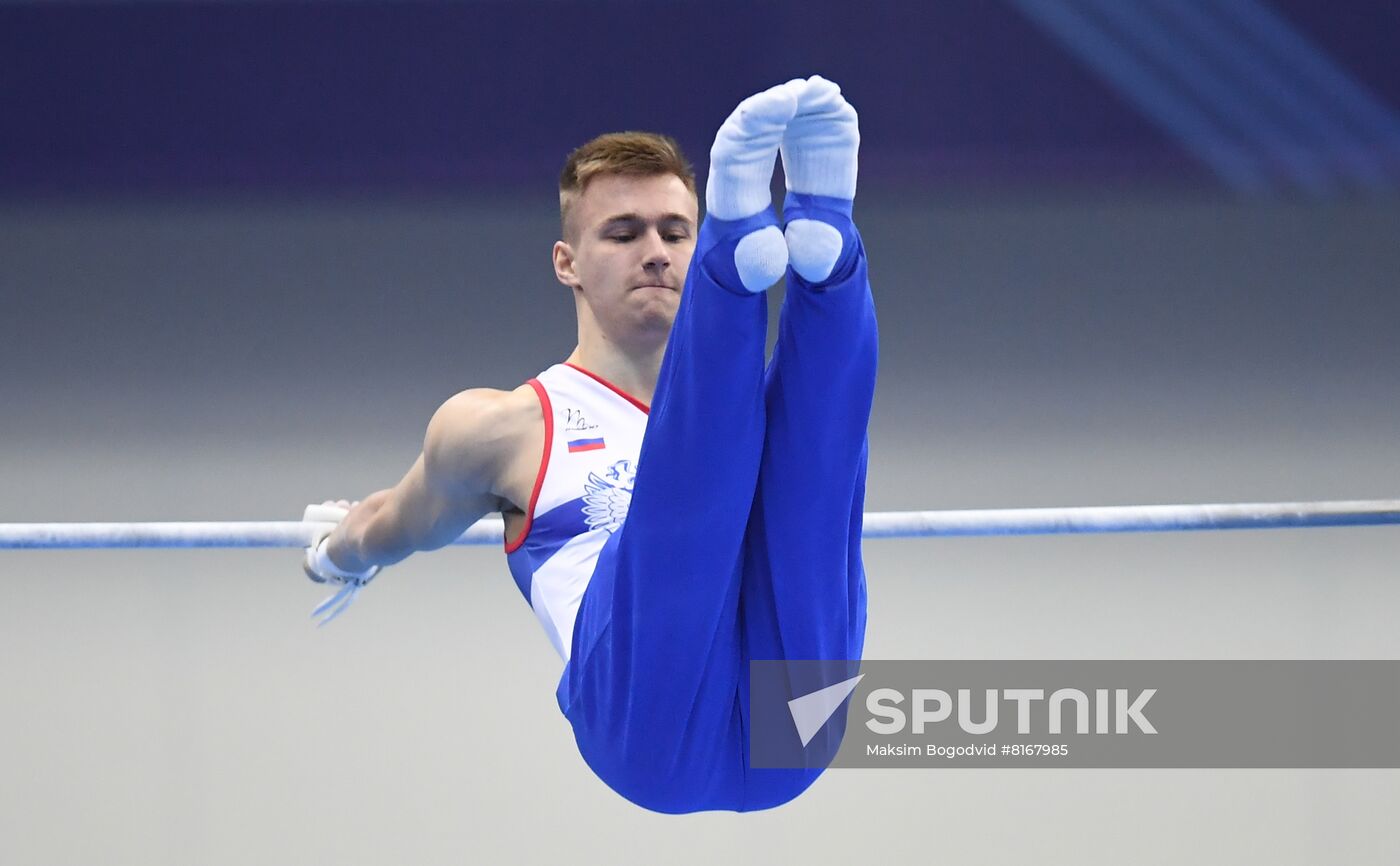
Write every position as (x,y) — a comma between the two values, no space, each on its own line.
(364,539)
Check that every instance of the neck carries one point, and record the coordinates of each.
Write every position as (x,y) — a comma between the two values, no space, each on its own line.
(633,369)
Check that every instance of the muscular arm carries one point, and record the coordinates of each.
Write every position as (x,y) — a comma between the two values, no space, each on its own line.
(469,446)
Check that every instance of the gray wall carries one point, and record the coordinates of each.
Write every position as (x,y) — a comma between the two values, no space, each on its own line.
(216,359)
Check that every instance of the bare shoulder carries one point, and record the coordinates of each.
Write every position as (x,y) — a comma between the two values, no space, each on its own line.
(488,411)
(476,434)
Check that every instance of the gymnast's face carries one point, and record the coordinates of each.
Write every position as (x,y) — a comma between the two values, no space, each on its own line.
(626,250)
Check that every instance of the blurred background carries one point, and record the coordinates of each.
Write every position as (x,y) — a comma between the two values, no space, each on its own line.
(1122,253)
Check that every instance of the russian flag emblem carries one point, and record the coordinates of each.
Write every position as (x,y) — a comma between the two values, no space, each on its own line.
(577,445)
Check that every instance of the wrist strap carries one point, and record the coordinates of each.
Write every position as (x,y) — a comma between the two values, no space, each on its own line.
(321,560)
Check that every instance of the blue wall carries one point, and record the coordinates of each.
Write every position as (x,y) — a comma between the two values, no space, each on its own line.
(407,96)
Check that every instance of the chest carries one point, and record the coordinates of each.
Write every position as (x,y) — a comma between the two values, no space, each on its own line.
(585,449)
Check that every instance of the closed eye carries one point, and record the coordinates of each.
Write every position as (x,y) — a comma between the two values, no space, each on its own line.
(669,238)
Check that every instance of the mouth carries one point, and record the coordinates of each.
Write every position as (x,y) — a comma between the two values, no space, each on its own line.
(656,286)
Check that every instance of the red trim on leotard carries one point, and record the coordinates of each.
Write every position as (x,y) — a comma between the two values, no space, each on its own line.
(610,386)
(512,546)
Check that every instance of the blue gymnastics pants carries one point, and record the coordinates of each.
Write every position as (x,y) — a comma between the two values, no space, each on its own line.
(742,540)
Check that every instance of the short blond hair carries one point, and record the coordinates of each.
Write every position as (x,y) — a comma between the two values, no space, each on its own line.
(637,154)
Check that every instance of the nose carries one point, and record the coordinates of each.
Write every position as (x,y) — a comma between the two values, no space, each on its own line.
(656,257)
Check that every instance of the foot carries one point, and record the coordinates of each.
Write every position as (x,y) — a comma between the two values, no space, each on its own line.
(745,151)
(819,149)
(738,190)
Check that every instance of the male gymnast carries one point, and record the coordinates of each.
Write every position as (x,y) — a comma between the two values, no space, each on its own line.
(674,509)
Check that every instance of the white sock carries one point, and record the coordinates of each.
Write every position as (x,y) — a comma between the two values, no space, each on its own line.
(814,247)
(761,258)
(819,151)
(745,150)
(821,142)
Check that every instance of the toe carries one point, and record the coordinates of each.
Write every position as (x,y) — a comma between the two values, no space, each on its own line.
(774,106)
(819,95)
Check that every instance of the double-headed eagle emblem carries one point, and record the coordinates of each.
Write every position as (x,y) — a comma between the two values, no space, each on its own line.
(607,495)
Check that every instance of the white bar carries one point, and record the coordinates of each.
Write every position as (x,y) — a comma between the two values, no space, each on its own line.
(1131,518)
(286,533)
(886,524)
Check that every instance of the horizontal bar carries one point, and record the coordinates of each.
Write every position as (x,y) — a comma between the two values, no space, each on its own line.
(286,533)
(1131,518)
(878,524)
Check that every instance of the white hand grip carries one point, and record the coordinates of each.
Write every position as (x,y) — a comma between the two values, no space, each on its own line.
(324,514)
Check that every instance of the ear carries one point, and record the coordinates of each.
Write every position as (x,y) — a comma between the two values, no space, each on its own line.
(564,265)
